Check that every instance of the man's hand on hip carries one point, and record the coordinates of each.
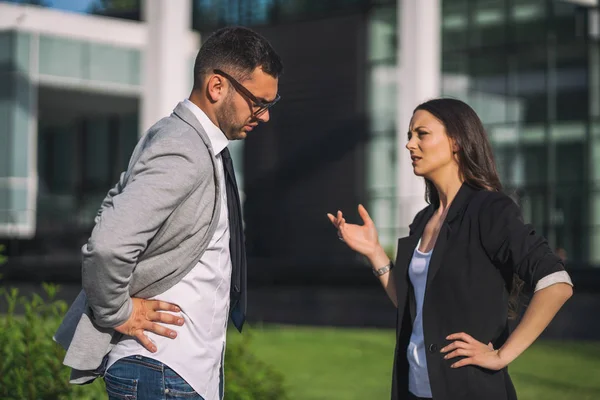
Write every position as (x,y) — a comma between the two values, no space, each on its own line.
(145,315)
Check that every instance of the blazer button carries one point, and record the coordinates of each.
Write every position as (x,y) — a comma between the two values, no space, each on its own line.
(433,348)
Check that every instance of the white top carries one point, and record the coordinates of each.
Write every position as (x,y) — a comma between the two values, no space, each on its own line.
(203,296)
(418,376)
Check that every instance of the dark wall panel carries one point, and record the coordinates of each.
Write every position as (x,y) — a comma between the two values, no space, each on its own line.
(309,160)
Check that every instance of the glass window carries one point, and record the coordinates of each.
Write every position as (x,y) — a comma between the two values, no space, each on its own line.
(382,105)
(78,163)
(455,74)
(594,79)
(57,174)
(211,14)
(382,162)
(568,21)
(594,195)
(595,154)
(528,82)
(128,138)
(536,161)
(510,165)
(455,16)
(96,155)
(571,81)
(61,175)
(488,23)
(124,9)
(534,193)
(570,200)
(381,185)
(528,20)
(489,86)
(382,35)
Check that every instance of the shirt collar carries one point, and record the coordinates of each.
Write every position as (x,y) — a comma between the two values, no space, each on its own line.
(217,138)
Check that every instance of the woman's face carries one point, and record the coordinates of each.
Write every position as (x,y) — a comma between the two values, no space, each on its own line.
(431,150)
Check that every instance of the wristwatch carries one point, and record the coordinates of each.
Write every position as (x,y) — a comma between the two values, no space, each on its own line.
(383,270)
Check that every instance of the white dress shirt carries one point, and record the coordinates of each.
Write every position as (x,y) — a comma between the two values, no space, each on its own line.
(418,376)
(196,354)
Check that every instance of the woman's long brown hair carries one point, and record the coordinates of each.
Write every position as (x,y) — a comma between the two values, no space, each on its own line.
(475,160)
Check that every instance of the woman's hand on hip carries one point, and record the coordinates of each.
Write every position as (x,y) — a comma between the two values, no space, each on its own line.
(360,238)
(475,352)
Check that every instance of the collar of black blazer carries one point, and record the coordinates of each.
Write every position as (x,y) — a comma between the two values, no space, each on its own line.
(458,206)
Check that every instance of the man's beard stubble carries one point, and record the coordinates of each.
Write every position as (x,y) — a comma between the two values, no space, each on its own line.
(226,113)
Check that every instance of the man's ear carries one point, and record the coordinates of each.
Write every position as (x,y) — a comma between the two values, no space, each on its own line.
(215,88)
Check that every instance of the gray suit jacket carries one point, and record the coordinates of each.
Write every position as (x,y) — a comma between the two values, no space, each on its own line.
(150,231)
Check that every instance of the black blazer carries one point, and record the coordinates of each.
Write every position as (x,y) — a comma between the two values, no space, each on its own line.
(481,243)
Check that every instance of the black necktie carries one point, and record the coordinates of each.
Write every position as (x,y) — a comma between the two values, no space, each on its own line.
(237,246)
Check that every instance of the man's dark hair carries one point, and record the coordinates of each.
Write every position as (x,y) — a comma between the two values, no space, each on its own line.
(237,51)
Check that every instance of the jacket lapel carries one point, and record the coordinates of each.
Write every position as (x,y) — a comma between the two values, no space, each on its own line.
(457,207)
(438,252)
(406,248)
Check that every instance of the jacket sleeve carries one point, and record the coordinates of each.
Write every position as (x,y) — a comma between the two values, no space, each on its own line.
(161,178)
(108,202)
(510,243)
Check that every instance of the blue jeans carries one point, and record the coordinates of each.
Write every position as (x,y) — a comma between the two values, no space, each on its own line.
(142,378)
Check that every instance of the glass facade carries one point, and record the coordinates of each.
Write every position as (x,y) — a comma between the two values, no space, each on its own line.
(381,110)
(530,70)
(211,14)
(17,136)
(78,161)
(69,114)
(124,9)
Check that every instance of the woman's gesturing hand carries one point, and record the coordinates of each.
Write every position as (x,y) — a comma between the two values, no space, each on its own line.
(360,238)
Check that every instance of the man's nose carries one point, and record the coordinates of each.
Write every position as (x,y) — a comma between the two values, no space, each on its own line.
(264,117)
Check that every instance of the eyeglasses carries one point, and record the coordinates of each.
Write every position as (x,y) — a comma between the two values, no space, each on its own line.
(261,107)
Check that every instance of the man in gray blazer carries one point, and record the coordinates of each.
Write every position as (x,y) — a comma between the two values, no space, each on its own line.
(165,264)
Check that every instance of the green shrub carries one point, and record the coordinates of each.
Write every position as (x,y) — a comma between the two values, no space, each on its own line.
(2,257)
(31,362)
(247,377)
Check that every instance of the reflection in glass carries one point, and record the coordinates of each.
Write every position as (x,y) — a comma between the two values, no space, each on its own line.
(381,110)
(124,9)
(78,162)
(211,14)
(528,19)
(455,15)
(488,20)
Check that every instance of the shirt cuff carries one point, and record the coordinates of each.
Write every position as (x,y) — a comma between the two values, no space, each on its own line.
(553,278)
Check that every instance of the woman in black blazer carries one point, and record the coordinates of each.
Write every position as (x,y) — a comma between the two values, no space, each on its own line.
(452,280)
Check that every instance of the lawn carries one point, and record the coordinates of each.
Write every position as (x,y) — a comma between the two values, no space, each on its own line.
(354,364)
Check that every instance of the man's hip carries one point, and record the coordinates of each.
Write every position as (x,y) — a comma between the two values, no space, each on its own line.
(142,378)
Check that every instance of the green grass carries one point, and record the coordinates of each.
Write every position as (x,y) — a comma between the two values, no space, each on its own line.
(353,364)
(558,370)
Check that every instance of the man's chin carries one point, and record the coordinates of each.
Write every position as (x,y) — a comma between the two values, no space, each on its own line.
(236,135)
(241,135)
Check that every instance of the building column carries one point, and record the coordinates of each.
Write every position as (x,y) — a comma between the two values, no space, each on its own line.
(166,66)
(419,79)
